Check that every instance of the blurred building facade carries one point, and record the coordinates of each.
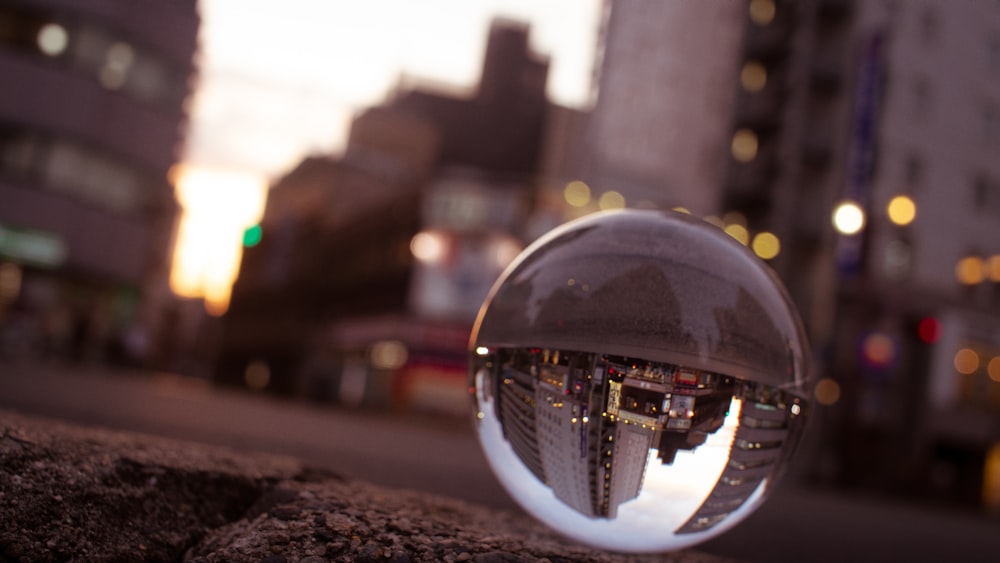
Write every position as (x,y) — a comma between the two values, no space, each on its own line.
(761,116)
(91,115)
(372,266)
(797,108)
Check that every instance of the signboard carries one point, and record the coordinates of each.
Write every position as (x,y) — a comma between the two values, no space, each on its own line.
(862,147)
(34,247)
(614,397)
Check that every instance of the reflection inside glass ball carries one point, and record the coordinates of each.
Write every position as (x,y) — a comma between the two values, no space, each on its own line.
(638,381)
(607,434)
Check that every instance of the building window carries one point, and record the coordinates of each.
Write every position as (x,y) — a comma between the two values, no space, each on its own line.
(104,55)
(78,170)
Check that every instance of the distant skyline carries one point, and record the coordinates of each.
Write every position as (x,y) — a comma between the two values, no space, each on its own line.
(279,81)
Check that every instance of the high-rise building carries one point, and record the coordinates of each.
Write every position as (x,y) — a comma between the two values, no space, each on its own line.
(658,132)
(771,114)
(92,111)
(918,323)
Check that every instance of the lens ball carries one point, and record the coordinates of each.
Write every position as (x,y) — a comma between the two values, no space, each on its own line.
(639,380)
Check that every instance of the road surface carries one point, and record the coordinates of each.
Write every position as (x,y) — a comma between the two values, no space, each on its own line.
(444,458)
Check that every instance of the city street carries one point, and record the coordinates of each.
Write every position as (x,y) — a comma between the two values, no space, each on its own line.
(443,457)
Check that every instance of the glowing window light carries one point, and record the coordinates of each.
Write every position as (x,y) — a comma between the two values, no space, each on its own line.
(611,200)
(766,245)
(744,145)
(762,11)
(577,193)
(902,210)
(218,206)
(993,369)
(966,361)
(738,232)
(52,39)
(429,247)
(753,76)
(848,218)
(970,270)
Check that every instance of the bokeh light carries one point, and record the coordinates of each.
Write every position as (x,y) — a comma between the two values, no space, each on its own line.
(738,232)
(827,391)
(878,350)
(762,11)
(388,354)
(52,39)
(929,330)
(993,369)
(611,200)
(970,270)
(766,245)
(429,246)
(848,218)
(966,361)
(902,210)
(753,76)
(257,375)
(577,193)
(744,145)
(993,268)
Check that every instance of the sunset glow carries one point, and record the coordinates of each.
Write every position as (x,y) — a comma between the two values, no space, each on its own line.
(218,206)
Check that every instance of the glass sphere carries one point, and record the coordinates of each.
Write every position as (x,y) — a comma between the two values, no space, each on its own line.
(639,380)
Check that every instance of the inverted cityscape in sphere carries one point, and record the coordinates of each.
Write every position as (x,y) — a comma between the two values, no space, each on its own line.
(639,381)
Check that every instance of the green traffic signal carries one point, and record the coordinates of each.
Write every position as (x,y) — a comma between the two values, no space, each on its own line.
(251,236)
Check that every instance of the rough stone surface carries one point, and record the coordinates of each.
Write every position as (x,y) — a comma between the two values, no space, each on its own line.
(85,494)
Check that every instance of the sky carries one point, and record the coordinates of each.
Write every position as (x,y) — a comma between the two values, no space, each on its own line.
(281,80)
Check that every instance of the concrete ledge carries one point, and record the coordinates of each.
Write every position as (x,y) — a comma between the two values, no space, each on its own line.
(88,494)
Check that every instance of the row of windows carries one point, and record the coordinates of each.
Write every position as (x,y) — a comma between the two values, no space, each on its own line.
(93,50)
(73,168)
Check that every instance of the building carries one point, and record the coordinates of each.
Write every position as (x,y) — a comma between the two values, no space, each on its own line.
(91,116)
(888,107)
(372,265)
(657,134)
(797,108)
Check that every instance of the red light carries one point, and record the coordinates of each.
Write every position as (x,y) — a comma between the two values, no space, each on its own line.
(929,330)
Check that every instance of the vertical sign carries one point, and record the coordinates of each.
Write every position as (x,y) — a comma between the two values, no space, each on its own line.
(862,147)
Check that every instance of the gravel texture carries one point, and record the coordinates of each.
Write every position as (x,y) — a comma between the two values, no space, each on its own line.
(87,494)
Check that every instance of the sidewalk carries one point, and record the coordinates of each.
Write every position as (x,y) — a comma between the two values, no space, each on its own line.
(88,494)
